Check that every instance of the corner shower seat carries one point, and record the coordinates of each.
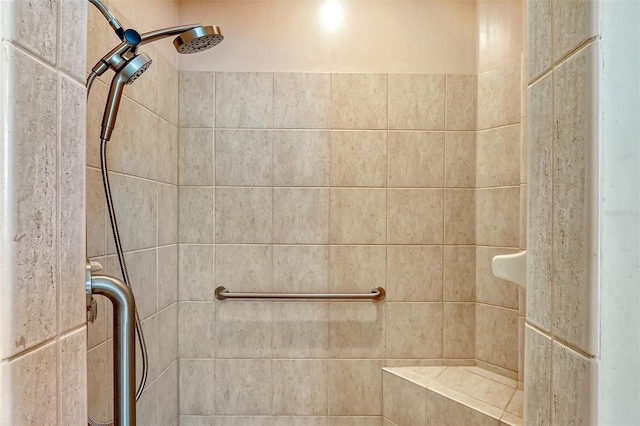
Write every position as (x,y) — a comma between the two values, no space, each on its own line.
(449,396)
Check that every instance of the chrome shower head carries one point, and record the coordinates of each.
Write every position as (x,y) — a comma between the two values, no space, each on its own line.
(198,39)
(129,73)
(136,67)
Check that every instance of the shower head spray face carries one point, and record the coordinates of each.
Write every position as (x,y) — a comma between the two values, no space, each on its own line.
(136,67)
(198,39)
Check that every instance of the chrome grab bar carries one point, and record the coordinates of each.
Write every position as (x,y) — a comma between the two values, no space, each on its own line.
(377,294)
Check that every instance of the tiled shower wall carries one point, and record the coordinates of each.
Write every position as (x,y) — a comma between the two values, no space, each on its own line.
(42,379)
(143,159)
(561,330)
(314,183)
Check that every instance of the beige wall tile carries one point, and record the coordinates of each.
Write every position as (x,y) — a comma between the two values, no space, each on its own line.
(490,289)
(71,202)
(196,99)
(524,146)
(355,421)
(416,101)
(497,336)
(498,157)
(143,274)
(96,378)
(243,215)
(301,100)
(73,379)
(356,269)
(244,100)
(573,23)
(301,215)
(299,421)
(241,421)
(251,320)
(459,216)
(301,269)
(403,401)
(244,267)
(29,196)
(416,159)
(358,216)
(446,411)
(95,109)
(168,145)
(459,331)
(72,59)
(31,380)
(459,274)
(572,400)
(137,212)
(196,157)
(498,216)
(499,97)
(131,150)
(243,386)
(539,37)
(575,150)
(539,203)
(359,159)
(415,216)
(358,101)
(355,389)
(167,214)
(387,422)
(147,406)
(460,159)
(96,210)
(168,342)
(415,273)
(196,272)
(414,330)
(300,387)
(300,330)
(301,158)
(462,92)
(537,377)
(523,217)
(356,330)
(167,383)
(169,90)
(243,157)
(521,322)
(33,26)
(196,215)
(200,420)
(195,330)
(150,330)
(196,392)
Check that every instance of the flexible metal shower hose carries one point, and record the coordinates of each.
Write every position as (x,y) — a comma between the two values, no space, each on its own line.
(121,261)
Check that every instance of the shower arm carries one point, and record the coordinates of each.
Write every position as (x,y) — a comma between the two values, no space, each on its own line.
(113,22)
(116,57)
(156,35)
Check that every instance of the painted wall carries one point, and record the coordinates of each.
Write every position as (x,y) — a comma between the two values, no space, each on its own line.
(42,227)
(619,367)
(430,37)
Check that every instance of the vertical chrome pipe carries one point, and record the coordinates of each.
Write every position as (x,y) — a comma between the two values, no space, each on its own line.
(124,359)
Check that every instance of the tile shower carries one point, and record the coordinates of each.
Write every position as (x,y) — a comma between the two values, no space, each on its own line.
(318,182)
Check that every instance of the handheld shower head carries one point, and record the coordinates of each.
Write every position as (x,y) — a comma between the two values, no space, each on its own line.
(198,39)
(129,73)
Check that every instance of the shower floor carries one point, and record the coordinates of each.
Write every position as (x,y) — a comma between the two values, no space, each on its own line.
(449,396)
